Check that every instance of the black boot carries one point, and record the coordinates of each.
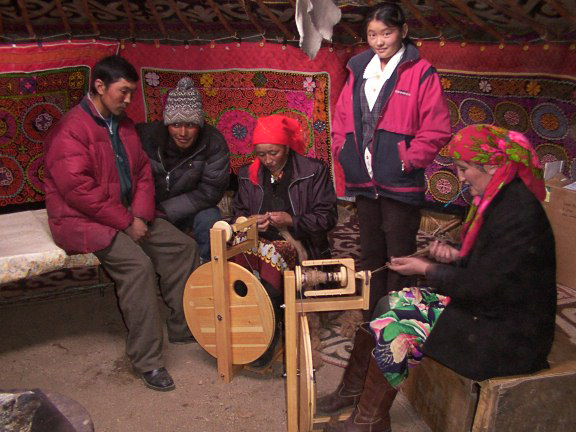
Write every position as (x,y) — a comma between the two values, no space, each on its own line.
(264,361)
(372,414)
(350,388)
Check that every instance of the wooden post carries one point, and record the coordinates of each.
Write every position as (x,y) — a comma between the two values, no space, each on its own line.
(290,327)
(221,284)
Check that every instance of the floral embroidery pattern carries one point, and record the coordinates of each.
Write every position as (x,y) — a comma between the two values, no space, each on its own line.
(401,332)
(31,103)
(234,99)
(543,108)
(152,79)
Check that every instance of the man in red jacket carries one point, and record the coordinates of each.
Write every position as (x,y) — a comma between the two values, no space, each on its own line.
(100,199)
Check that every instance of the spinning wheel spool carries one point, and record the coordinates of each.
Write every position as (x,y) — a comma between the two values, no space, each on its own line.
(311,277)
(251,313)
(300,380)
(229,230)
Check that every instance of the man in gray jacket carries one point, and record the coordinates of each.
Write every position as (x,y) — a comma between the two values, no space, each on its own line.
(190,163)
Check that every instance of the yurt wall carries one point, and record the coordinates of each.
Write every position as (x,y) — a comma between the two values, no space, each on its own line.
(503,62)
(531,89)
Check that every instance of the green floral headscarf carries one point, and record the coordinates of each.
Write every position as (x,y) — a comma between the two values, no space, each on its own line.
(511,152)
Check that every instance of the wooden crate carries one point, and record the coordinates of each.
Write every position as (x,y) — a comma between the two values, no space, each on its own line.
(544,401)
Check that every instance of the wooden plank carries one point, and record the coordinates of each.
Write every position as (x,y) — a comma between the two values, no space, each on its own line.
(126,6)
(425,23)
(445,400)
(220,283)
(290,327)
(26,18)
(248,10)
(332,304)
(90,17)
(221,17)
(460,4)
(62,13)
(287,33)
(182,18)
(157,18)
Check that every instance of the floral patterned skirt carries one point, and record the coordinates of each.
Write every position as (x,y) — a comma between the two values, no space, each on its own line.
(401,332)
(269,260)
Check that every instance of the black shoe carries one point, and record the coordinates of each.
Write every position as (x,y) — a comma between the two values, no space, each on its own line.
(182,340)
(158,379)
(265,360)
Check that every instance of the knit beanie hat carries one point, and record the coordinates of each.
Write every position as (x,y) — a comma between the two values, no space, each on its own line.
(184,104)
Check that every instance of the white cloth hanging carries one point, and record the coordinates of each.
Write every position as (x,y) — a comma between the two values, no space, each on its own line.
(315,20)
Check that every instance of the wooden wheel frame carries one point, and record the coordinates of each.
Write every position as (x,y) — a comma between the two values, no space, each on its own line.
(251,317)
(306,380)
(300,380)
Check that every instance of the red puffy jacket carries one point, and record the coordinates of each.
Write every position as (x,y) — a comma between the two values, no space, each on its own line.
(82,184)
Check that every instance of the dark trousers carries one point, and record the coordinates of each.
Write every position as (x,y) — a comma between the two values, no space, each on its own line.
(199,225)
(388,228)
(135,267)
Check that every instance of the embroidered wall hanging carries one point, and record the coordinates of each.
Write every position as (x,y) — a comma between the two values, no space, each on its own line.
(30,104)
(541,107)
(234,99)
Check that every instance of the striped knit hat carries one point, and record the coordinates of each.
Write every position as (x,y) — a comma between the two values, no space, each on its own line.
(184,104)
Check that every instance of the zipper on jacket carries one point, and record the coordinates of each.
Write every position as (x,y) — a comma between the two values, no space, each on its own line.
(290,186)
(177,166)
(371,159)
(289,196)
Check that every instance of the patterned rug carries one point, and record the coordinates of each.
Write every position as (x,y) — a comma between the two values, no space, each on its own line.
(30,104)
(234,99)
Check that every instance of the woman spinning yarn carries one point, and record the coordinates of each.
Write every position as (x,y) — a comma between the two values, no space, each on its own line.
(492,307)
(294,201)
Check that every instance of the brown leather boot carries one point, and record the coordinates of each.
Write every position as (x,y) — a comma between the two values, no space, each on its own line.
(350,388)
(372,414)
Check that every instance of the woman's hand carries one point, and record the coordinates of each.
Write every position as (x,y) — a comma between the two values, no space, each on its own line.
(409,265)
(442,252)
(262,221)
(280,219)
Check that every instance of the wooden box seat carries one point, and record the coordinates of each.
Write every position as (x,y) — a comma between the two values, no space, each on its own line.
(544,401)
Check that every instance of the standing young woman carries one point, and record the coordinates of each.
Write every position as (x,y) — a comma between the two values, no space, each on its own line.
(391,120)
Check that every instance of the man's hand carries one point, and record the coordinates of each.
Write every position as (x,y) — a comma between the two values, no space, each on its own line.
(137,230)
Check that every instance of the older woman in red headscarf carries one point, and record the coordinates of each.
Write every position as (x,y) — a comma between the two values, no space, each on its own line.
(293,198)
(492,307)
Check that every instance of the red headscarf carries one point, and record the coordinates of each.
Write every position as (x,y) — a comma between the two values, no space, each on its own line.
(276,129)
(511,152)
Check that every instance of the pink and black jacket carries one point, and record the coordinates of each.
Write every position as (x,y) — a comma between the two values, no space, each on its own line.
(413,126)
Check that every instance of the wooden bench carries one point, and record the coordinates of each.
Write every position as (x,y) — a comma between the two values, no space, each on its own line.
(543,402)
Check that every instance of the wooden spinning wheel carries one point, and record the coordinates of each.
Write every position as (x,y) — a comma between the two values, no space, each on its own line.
(299,300)
(251,317)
